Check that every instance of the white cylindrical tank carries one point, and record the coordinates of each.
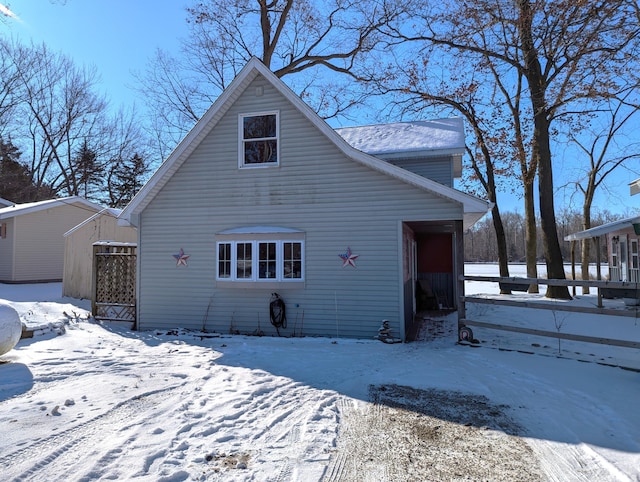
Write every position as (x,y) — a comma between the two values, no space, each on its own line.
(10,328)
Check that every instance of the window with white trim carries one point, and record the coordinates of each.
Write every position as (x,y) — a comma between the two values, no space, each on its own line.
(258,139)
(634,254)
(224,260)
(260,260)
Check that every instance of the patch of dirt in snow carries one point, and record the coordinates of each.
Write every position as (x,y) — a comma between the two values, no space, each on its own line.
(408,434)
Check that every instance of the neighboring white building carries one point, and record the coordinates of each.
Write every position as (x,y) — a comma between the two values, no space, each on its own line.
(32,237)
(77,279)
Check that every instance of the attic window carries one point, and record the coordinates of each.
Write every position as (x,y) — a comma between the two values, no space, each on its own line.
(258,139)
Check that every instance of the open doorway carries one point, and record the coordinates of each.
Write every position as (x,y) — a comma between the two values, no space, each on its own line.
(431,271)
(434,257)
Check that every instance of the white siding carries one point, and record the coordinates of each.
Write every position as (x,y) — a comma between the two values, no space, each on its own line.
(39,241)
(78,252)
(6,251)
(337,202)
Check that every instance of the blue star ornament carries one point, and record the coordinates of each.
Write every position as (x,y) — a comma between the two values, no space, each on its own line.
(181,258)
(348,258)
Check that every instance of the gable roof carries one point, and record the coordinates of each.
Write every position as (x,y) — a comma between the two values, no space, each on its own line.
(112,212)
(474,208)
(26,208)
(5,202)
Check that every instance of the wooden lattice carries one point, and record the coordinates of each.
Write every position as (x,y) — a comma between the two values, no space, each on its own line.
(114,281)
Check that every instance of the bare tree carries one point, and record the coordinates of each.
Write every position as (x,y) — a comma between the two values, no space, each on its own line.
(491,111)
(59,111)
(605,147)
(64,128)
(317,45)
(9,85)
(569,52)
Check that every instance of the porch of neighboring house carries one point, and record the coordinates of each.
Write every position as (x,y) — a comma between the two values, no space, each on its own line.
(433,261)
(623,259)
(622,239)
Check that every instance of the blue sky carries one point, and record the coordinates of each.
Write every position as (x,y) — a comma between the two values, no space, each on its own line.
(119,37)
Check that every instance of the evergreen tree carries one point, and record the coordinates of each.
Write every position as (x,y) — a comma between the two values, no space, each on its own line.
(125,179)
(88,173)
(16,181)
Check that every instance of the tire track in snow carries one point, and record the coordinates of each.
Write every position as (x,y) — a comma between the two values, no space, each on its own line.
(59,449)
(309,440)
(336,469)
(579,463)
(281,415)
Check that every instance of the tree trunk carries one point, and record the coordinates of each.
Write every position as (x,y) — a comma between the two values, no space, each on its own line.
(553,255)
(586,246)
(531,235)
(501,241)
(586,224)
(542,152)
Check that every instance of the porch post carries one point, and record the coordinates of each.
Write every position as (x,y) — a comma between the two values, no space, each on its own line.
(459,269)
(596,240)
(573,263)
(598,260)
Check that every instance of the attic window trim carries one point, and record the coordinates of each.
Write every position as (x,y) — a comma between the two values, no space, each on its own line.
(265,143)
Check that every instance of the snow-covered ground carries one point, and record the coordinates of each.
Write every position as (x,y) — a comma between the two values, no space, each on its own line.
(86,401)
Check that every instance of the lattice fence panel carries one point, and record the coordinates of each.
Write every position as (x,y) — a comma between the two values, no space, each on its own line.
(115,283)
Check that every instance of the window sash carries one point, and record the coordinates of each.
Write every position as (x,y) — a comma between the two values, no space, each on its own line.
(224,260)
(258,136)
(292,260)
(244,260)
(267,260)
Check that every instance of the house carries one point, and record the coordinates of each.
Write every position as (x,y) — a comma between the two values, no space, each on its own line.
(32,237)
(263,197)
(4,203)
(103,226)
(622,239)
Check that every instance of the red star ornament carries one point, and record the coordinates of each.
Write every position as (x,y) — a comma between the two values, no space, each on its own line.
(348,258)
(181,258)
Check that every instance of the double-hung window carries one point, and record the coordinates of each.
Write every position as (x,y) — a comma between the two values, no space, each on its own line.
(258,139)
(276,256)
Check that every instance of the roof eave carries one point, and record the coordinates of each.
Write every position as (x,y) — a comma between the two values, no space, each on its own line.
(604,229)
(26,208)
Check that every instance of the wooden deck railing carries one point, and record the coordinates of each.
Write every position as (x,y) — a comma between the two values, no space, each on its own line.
(605,288)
